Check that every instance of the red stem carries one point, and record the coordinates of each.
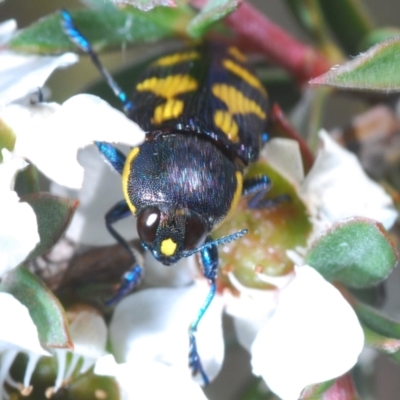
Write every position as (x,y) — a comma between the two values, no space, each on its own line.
(342,389)
(281,127)
(255,32)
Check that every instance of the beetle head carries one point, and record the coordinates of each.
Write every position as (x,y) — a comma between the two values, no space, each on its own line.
(169,232)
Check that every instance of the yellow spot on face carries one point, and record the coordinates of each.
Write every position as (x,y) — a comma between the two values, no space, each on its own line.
(243,74)
(126,172)
(168,247)
(235,53)
(170,109)
(177,58)
(236,102)
(224,121)
(169,88)
(238,193)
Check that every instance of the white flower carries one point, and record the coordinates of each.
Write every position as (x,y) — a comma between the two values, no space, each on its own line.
(313,336)
(89,335)
(18,237)
(18,333)
(305,332)
(101,189)
(152,325)
(50,135)
(18,227)
(336,187)
(149,380)
(22,74)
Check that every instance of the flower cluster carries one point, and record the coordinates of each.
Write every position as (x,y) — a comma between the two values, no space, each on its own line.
(301,331)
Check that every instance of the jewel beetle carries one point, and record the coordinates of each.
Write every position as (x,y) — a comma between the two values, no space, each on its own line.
(205,117)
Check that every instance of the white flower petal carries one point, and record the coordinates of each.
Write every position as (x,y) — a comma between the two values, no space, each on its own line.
(149,380)
(18,331)
(314,336)
(337,188)
(89,334)
(101,190)
(284,156)
(250,310)
(24,74)
(156,274)
(18,226)
(153,325)
(50,136)
(8,169)
(7,29)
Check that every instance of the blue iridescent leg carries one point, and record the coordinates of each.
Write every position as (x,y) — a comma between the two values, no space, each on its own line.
(264,138)
(118,212)
(82,43)
(209,259)
(133,276)
(258,188)
(112,155)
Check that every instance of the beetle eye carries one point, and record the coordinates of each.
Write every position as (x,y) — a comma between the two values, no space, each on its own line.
(195,232)
(147,224)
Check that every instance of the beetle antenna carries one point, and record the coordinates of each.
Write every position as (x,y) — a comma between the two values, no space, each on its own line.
(217,242)
(75,35)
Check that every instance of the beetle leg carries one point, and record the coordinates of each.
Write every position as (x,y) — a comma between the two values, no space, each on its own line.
(209,260)
(76,36)
(112,155)
(265,138)
(133,276)
(258,187)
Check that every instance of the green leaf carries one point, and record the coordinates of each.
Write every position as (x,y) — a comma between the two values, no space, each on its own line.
(53,216)
(380,342)
(316,392)
(27,181)
(377,69)
(44,308)
(376,321)
(104,28)
(349,22)
(212,12)
(356,252)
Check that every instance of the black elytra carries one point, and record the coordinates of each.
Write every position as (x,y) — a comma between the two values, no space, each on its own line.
(205,116)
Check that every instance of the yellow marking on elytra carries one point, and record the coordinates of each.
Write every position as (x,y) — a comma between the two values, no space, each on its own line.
(236,53)
(126,172)
(224,121)
(238,193)
(236,101)
(168,247)
(169,88)
(170,109)
(177,58)
(244,74)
